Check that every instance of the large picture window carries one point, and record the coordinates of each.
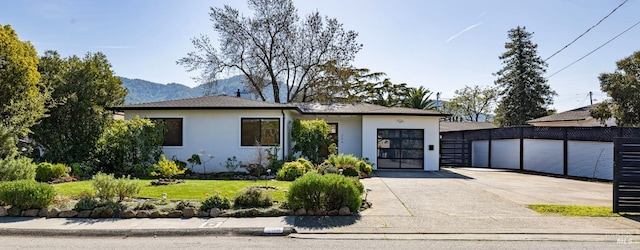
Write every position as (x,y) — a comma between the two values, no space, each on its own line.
(173,132)
(260,131)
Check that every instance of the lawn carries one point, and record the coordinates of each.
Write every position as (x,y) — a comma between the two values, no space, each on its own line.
(573,210)
(190,190)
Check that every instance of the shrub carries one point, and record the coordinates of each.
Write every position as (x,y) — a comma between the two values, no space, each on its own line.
(47,171)
(146,205)
(166,168)
(307,192)
(108,187)
(81,170)
(310,136)
(290,171)
(252,197)
(86,203)
(13,169)
(26,194)
(349,170)
(327,168)
(330,191)
(184,204)
(342,159)
(363,166)
(215,201)
(308,166)
(341,191)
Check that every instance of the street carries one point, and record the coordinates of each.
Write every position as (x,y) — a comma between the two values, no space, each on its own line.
(183,243)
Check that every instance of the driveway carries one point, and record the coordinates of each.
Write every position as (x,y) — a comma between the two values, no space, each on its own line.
(476,201)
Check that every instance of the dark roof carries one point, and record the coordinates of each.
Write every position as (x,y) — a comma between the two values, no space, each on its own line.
(361,109)
(207,102)
(460,126)
(228,102)
(579,114)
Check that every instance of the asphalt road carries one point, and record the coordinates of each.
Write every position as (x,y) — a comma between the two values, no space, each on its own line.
(184,243)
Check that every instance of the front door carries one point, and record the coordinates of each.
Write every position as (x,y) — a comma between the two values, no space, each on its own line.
(400,149)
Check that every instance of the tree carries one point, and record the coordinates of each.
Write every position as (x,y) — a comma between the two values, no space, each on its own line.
(524,91)
(623,87)
(310,136)
(82,90)
(418,98)
(470,103)
(273,49)
(22,96)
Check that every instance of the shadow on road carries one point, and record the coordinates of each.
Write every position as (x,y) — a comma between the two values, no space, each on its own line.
(321,222)
(442,174)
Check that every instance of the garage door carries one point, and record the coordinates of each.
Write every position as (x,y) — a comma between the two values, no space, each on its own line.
(400,149)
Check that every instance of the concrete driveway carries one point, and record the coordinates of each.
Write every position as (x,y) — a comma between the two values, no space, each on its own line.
(476,201)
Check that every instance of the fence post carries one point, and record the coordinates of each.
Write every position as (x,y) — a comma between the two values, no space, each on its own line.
(565,157)
(521,148)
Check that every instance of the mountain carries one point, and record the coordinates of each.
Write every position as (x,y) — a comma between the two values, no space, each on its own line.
(141,91)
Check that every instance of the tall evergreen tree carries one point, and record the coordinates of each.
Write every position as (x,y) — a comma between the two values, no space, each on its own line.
(524,91)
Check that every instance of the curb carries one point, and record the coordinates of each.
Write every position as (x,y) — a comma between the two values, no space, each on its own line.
(257,231)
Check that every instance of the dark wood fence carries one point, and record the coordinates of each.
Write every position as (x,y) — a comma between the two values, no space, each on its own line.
(626,175)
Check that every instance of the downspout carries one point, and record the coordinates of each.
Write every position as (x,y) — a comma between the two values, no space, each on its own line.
(284,135)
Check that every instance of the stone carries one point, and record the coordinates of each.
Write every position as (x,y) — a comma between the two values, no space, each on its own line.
(188,212)
(84,214)
(3,211)
(321,212)
(96,213)
(333,213)
(154,214)
(128,214)
(14,211)
(301,212)
(203,214)
(107,213)
(143,214)
(344,211)
(53,213)
(67,214)
(43,212)
(30,212)
(214,212)
(310,212)
(175,214)
(290,212)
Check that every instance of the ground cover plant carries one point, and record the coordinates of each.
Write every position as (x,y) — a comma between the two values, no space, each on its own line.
(573,210)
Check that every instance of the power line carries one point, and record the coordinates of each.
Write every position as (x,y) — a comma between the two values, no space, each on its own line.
(587,31)
(614,38)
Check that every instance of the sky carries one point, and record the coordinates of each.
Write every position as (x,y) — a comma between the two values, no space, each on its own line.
(443,45)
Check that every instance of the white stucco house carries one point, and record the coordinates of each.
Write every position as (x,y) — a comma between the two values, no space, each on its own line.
(224,126)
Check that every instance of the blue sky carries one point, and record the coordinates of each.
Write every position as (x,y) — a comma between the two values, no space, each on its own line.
(442,45)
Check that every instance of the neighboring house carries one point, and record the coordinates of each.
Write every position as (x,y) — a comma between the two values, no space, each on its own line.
(462,126)
(392,138)
(579,117)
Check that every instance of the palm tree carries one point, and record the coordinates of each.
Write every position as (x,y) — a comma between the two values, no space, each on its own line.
(418,98)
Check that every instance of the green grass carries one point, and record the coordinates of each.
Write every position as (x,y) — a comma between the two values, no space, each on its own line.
(191,190)
(573,210)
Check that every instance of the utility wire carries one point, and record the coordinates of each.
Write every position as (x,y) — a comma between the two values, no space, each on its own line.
(587,31)
(614,38)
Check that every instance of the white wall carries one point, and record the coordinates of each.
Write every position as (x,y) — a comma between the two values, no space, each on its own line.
(480,153)
(505,153)
(430,124)
(545,156)
(590,159)
(217,132)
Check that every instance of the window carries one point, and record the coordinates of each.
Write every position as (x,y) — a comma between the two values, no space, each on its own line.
(401,148)
(260,131)
(173,132)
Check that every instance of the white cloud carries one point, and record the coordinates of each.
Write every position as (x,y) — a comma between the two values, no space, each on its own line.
(463,31)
